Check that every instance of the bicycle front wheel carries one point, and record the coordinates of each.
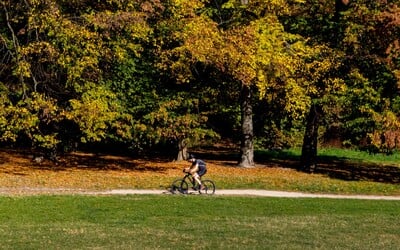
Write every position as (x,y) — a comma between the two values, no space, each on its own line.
(179,185)
(208,187)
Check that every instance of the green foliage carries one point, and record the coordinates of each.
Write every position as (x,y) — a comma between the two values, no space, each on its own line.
(279,58)
(148,72)
(177,119)
(376,89)
(29,119)
(94,113)
(352,78)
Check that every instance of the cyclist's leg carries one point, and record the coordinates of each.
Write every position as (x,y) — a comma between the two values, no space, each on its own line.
(197,179)
(201,172)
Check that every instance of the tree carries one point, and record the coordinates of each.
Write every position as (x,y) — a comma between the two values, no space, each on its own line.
(60,57)
(351,81)
(252,53)
(273,65)
(371,66)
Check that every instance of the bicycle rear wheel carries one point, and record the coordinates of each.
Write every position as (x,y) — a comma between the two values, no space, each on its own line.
(179,185)
(208,187)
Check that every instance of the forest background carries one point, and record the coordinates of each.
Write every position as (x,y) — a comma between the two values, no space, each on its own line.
(164,76)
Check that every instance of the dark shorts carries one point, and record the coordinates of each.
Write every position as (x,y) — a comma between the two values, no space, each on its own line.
(202,171)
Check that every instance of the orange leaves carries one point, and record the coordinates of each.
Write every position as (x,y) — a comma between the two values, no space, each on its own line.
(93,172)
(239,53)
(86,172)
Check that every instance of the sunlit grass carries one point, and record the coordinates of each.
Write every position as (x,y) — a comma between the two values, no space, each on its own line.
(351,155)
(362,156)
(192,222)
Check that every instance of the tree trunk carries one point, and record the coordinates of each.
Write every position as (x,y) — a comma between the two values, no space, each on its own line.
(340,6)
(247,147)
(310,141)
(182,150)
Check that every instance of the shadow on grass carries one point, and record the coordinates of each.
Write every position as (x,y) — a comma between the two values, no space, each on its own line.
(358,171)
(342,168)
(90,161)
(336,167)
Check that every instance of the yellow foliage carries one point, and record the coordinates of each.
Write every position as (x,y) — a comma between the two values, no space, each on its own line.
(94,113)
(24,118)
(184,8)
(22,69)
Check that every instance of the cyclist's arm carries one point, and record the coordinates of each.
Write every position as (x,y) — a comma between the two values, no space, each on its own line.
(194,165)
(187,170)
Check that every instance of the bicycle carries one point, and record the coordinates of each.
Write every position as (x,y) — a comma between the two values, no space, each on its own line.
(182,185)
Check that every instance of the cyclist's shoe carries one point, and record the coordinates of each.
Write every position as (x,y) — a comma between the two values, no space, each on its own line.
(202,189)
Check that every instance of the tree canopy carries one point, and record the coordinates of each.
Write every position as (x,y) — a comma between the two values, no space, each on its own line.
(151,74)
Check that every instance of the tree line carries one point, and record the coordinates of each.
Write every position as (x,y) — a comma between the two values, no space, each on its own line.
(169,74)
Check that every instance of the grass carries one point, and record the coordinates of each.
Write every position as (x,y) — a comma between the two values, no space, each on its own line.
(343,154)
(339,171)
(196,222)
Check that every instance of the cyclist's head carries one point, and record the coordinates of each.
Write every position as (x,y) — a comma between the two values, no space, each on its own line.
(191,158)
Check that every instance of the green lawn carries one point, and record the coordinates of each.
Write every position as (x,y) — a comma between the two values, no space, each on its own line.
(188,222)
(335,154)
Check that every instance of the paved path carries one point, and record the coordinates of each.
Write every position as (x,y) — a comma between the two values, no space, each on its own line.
(254,192)
(226,192)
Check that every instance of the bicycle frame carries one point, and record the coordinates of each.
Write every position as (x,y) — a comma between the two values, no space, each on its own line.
(182,185)
(191,179)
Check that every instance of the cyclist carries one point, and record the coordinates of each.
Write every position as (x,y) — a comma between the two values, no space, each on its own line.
(197,169)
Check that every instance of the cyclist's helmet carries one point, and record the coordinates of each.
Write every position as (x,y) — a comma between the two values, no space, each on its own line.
(191,157)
